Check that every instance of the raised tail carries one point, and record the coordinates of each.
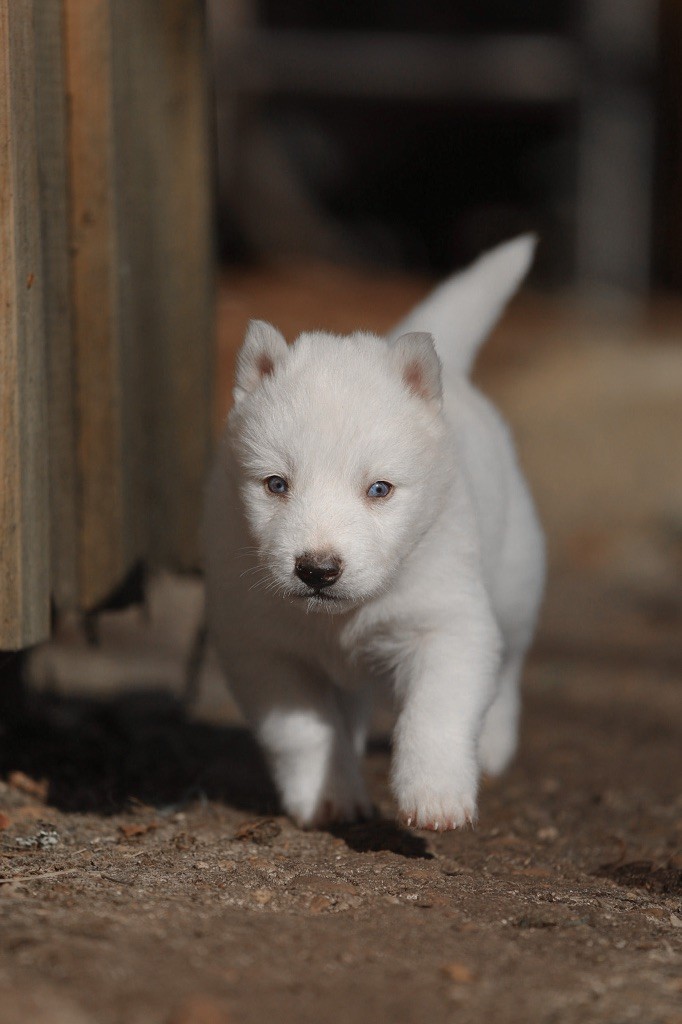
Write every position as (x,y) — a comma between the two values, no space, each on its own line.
(462,311)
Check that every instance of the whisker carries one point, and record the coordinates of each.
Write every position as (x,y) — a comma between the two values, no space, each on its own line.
(253,568)
(246,552)
(258,583)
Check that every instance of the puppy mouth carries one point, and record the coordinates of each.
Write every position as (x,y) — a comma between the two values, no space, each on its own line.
(319,595)
(328,597)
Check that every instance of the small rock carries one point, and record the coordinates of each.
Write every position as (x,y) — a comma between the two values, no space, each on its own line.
(32,787)
(319,904)
(137,829)
(459,973)
(262,896)
(44,839)
(262,831)
(676,921)
(416,873)
(433,899)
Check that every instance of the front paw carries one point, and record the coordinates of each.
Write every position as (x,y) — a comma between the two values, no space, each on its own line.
(438,815)
(439,806)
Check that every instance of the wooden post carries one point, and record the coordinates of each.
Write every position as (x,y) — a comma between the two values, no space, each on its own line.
(51,104)
(161,117)
(104,150)
(106,549)
(142,280)
(24,531)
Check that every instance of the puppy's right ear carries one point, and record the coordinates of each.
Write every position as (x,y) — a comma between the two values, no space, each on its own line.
(263,350)
(419,365)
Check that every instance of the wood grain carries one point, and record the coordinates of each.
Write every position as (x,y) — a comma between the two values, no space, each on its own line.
(24,532)
(162,159)
(51,108)
(106,551)
(106,298)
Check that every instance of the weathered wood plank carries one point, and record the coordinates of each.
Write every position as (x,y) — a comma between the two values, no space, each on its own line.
(106,549)
(163,168)
(24,534)
(53,180)
(185,343)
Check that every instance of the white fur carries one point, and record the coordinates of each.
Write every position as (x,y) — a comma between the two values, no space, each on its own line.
(441,580)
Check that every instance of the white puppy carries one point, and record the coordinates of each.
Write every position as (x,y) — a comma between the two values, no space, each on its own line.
(352,482)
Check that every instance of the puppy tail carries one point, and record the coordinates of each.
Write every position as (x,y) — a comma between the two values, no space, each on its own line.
(462,311)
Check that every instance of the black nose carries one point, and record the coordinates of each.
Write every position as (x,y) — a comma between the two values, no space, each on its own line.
(318,570)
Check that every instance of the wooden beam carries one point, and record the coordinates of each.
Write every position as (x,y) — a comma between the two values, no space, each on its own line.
(498,68)
(117,177)
(24,532)
(105,541)
(61,369)
(162,129)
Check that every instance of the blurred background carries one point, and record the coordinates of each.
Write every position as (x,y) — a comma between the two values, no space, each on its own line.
(414,135)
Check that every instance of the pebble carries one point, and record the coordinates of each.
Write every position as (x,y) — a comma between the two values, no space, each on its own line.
(262,896)
(459,973)
(319,904)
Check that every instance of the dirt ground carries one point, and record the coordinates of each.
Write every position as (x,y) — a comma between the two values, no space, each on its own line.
(155,883)
(146,876)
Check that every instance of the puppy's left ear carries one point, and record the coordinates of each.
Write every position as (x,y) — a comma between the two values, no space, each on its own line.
(263,350)
(419,365)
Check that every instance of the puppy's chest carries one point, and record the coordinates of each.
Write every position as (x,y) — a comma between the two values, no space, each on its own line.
(350,650)
(360,652)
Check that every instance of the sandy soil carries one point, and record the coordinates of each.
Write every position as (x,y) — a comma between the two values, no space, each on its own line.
(146,877)
(152,880)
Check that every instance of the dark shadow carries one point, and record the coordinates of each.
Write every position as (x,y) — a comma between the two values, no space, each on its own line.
(102,756)
(379,744)
(644,874)
(382,834)
(99,756)
(12,686)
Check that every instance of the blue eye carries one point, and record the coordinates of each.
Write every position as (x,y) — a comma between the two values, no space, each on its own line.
(276,484)
(380,489)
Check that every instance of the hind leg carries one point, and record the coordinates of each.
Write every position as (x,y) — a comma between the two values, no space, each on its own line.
(517,599)
(497,743)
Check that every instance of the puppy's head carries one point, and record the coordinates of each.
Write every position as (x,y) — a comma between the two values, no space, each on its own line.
(339,446)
